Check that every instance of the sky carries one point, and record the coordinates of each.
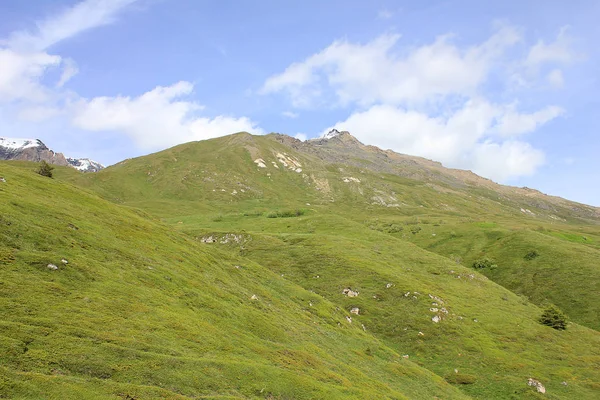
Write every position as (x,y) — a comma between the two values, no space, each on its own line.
(509,90)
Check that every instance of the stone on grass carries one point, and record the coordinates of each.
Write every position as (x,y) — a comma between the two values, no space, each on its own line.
(537,384)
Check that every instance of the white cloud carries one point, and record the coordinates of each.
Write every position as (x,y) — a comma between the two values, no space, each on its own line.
(559,51)
(81,17)
(20,75)
(435,100)
(503,161)
(301,136)
(555,78)
(512,123)
(24,59)
(156,119)
(69,70)
(544,58)
(290,114)
(471,137)
(374,72)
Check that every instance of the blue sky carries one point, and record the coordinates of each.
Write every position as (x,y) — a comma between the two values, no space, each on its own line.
(508,90)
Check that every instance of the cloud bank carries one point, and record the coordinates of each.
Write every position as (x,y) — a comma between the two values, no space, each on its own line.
(434,100)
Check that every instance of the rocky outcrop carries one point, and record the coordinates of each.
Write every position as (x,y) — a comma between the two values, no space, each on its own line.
(537,385)
(29,150)
(35,150)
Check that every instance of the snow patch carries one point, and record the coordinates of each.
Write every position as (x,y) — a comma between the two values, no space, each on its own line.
(84,164)
(19,144)
(331,134)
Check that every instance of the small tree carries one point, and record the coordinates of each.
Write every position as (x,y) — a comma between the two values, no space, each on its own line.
(554,318)
(484,262)
(45,169)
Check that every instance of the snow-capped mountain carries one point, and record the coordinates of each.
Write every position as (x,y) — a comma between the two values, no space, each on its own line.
(19,144)
(35,150)
(85,164)
(331,134)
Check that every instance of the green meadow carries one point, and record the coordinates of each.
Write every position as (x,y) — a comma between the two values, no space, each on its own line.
(335,271)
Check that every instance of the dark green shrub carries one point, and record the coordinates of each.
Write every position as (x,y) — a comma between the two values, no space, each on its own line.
(461,379)
(484,262)
(394,228)
(531,255)
(286,214)
(554,318)
(45,169)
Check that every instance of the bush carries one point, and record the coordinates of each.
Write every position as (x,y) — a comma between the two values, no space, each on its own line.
(554,318)
(484,262)
(461,379)
(531,255)
(415,229)
(45,169)
(286,214)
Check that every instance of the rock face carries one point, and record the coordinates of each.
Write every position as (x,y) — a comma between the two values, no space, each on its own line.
(29,150)
(35,150)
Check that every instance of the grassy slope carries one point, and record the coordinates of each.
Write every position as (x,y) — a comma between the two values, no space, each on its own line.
(566,273)
(504,347)
(143,311)
(196,179)
(192,187)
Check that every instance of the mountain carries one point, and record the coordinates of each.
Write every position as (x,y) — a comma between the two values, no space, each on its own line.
(267,267)
(29,150)
(100,301)
(85,164)
(35,150)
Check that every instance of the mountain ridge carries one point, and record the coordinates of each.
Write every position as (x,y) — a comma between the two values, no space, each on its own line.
(341,141)
(35,150)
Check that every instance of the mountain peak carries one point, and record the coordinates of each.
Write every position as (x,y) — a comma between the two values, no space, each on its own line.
(17,144)
(335,136)
(331,134)
(85,164)
(35,150)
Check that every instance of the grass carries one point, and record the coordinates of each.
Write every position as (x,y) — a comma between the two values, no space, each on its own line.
(489,332)
(188,327)
(143,311)
(563,272)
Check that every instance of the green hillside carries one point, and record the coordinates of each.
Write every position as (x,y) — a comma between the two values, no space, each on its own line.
(563,268)
(162,310)
(140,311)
(452,213)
